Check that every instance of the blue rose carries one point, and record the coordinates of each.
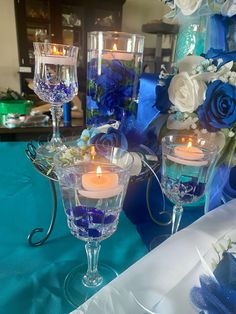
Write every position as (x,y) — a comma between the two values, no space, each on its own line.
(216,54)
(113,137)
(113,88)
(219,108)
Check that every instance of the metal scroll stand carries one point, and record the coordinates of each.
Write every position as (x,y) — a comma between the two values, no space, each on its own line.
(44,170)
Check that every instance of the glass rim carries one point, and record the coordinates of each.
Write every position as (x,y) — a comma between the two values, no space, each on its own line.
(38,43)
(212,148)
(69,166)
(125,34)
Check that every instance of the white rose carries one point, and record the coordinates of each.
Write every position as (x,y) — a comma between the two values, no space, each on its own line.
(188,7)
(186,93)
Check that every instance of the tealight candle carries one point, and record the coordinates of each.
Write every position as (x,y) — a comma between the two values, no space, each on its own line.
(189,152)
(115,54)
(100,184)
(188,155)
(56,57)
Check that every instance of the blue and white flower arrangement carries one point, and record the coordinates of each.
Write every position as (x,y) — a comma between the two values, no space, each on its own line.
(200,97)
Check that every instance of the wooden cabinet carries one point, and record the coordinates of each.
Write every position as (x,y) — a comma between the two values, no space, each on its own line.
(61,21)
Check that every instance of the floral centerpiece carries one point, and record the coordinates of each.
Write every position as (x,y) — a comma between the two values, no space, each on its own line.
(200,97)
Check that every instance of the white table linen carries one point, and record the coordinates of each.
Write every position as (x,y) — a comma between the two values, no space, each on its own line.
(166,274)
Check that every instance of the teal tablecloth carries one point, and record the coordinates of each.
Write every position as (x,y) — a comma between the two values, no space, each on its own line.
(31,279)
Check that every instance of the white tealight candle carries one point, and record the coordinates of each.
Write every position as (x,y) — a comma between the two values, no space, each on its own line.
(118,55)
(189,152)
(100,184)
(188,155)
(57,57)
(122,56)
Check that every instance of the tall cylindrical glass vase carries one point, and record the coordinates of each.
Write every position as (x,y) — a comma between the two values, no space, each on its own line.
(114,66)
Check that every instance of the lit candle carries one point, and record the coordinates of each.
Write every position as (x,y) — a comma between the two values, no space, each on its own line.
(100,184)
(118,55)
(55,51)
(188,155)
(56,57)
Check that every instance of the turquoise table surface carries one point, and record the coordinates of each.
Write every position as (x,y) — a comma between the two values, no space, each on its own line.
(31,278)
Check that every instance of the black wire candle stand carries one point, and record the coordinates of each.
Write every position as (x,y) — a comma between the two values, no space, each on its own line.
(46,170)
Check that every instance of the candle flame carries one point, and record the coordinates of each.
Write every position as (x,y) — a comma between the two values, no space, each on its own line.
(55,51)
(114,47)
(189,144)
(99,171)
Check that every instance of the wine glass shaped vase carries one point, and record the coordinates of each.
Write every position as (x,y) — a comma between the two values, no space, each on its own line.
(55,79)
(187,163)
(93,186)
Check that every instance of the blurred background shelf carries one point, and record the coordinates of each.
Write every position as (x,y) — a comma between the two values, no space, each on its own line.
(164,53)
(28,133)
(61,21)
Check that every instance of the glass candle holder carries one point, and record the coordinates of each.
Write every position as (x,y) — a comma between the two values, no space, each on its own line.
(93,185)
(55,80)
(114,66)
(187,164)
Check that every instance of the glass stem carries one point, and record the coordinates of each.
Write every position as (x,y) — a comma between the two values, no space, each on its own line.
(92,278)
(176,218)
(56,111)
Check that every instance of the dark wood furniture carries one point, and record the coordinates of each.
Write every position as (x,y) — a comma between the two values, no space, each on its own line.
(29,133)
(61,21)
(166,36)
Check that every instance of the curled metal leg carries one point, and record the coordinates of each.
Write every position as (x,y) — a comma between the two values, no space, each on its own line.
(53,218)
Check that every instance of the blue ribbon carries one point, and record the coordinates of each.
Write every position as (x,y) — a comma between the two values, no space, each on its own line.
(222,190)
(147,112)
(229,191)
(218,297)
(217,30)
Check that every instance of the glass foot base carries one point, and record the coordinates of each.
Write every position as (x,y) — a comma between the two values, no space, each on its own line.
(76,292)
(158,240)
